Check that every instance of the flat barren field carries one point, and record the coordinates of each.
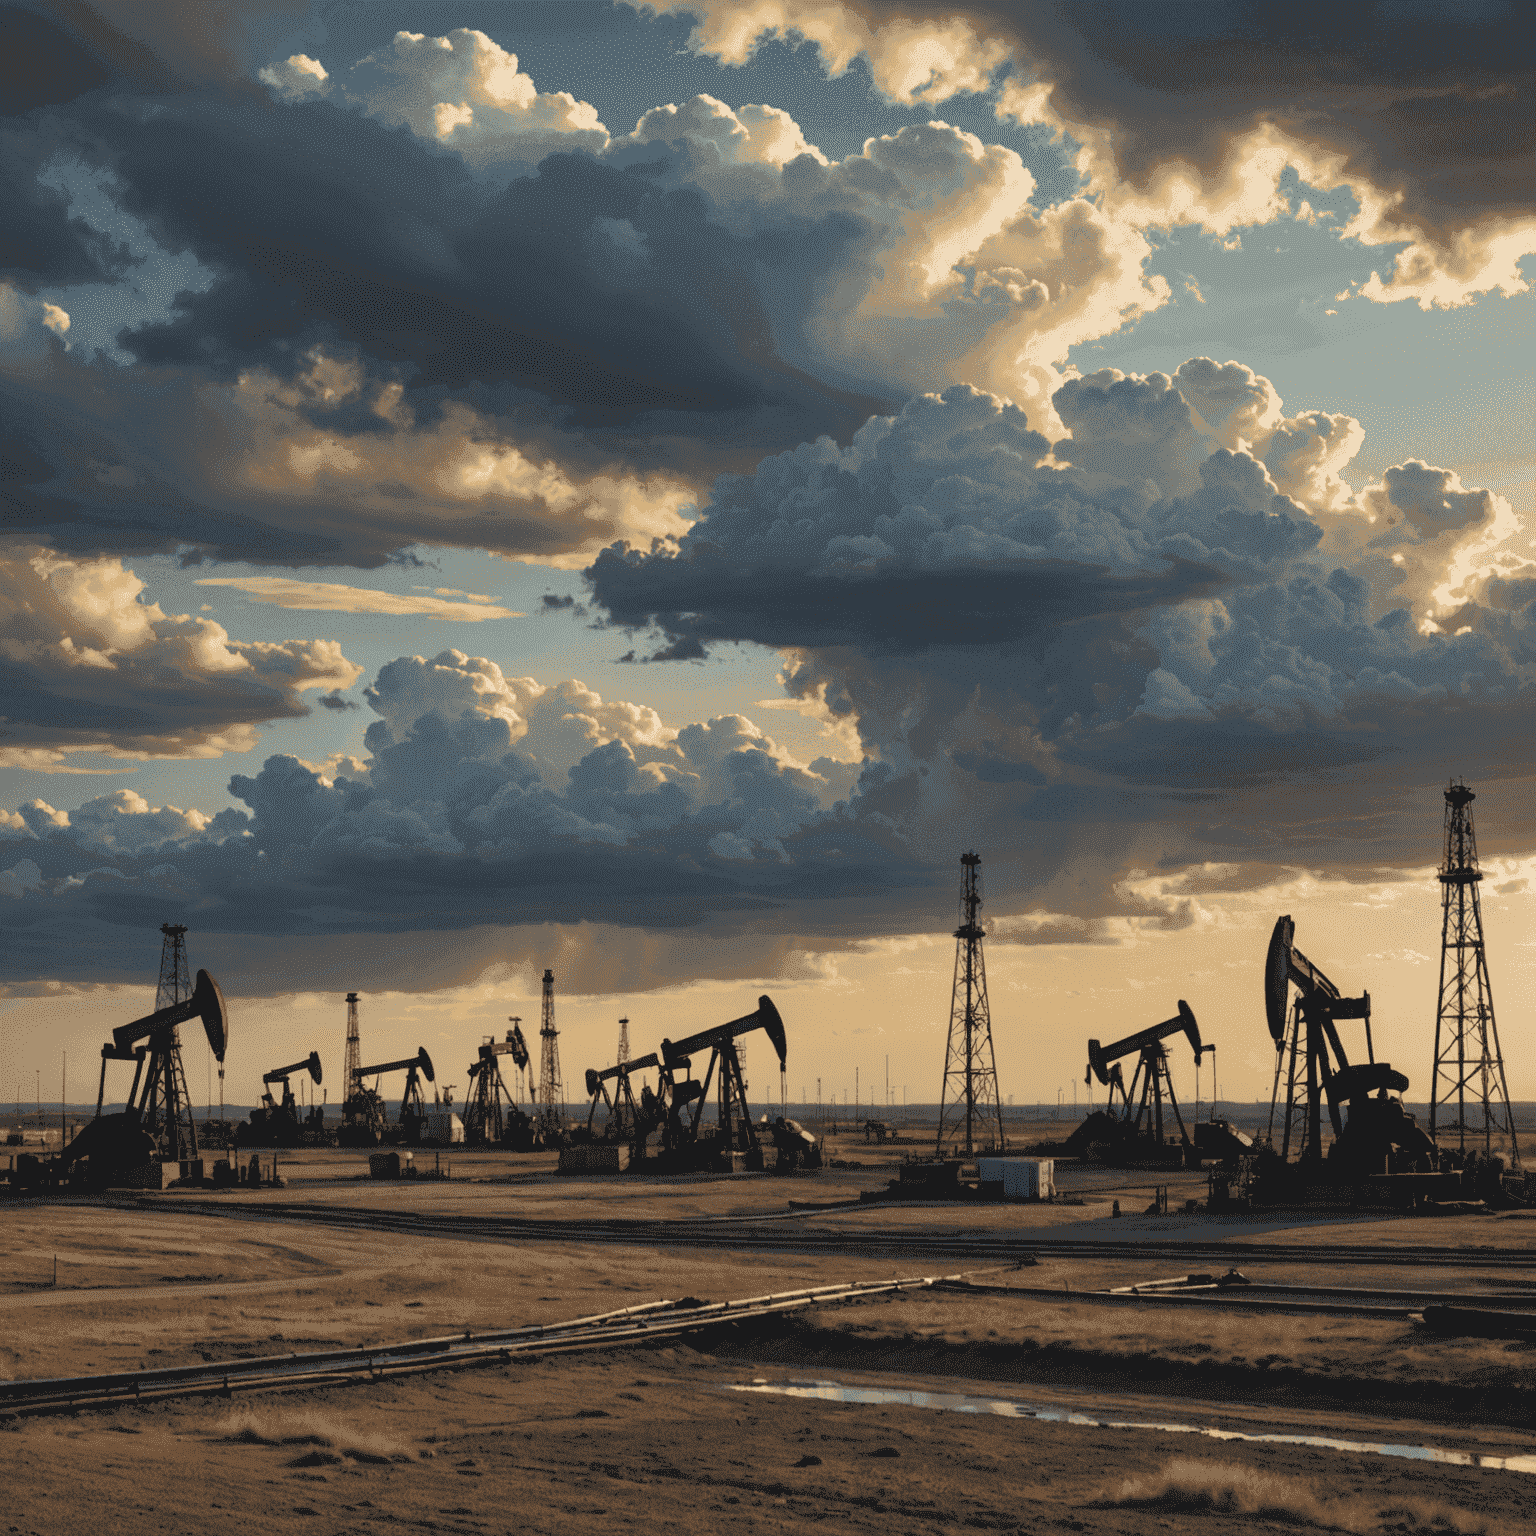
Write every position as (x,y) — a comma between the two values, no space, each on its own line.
(1016,1396)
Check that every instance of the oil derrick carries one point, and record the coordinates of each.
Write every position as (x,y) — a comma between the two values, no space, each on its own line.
(551,1092)
(1467,1054)
(623,1126)
(165,1110)
(969,1095)
(362,1110)
(354,1064)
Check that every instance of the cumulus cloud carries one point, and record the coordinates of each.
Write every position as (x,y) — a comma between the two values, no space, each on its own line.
(463,89)
(330,597)
(88,666)
(482,798)
(1133,624)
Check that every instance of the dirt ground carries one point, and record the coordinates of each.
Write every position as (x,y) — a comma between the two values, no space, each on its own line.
(568,1445)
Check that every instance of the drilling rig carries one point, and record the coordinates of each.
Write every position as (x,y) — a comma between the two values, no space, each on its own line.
(485,1123)
(362,1110)
(1379,1137)
(734,1143)
(275,1124)
(1130,1131)
(551,1105)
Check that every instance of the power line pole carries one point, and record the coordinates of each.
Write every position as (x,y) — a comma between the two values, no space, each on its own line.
(969,1093)
(1467,1050)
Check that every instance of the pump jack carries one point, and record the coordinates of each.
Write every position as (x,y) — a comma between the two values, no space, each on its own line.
(484,1125)
(158,1120)
(630,1119)
(365,1109)
(735,1133)
(278,1125)
(1137,1112)
(1378,1133)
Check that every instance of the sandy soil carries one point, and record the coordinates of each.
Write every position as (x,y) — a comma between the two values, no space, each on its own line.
(569,1445)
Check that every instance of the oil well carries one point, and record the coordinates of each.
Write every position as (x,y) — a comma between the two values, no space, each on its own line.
(153,1140)
(277,1123)
(1133,1131)
(492,1115)
(665,1130)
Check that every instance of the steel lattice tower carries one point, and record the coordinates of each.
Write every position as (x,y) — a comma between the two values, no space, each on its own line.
(354,1070)
(1467,1053)
(969,1094)
(175,981)
(165,1108)
(551,1091)
(623,1041)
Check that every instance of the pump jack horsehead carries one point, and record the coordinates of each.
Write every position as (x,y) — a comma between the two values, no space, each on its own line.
(276,1124)
(484,1122)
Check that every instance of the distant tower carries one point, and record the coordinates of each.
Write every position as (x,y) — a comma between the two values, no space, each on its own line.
(351,1080)
(1467,1053)
(623,1041)
(969,1095)
(551,1115)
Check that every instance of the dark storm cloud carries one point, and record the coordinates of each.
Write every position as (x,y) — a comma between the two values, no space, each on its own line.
(324,234)
(1435,102)
(322,225)
(944,527)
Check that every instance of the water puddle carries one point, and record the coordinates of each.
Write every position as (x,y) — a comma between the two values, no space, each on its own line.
(1009,1408)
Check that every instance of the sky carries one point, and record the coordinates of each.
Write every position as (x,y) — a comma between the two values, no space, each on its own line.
(640,489)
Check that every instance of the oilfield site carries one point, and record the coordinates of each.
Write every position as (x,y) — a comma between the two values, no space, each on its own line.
(663,1288)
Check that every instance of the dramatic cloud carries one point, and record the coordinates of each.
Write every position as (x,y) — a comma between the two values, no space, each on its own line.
(1139,637)
(85,665)
(328,597)
(1190,114)
(341,367)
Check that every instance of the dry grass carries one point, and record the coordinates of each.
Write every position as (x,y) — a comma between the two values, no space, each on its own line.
(336,1441)
(1189,1486)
